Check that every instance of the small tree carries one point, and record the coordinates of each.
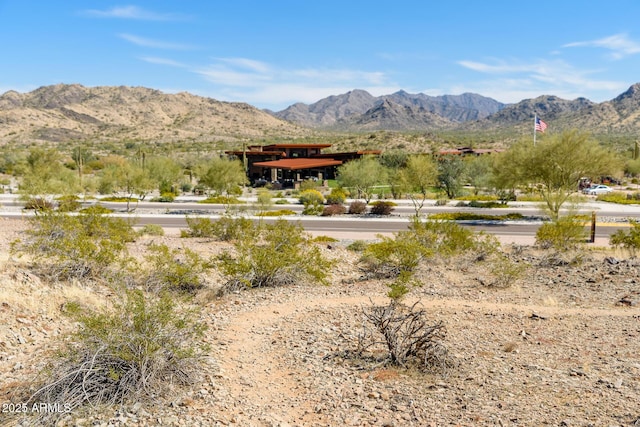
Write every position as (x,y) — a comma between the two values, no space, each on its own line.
(418,177)
(555,165)
(224,176)
(451,175)
(362,175)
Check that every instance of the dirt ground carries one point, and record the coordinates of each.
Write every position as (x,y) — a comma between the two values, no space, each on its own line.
(561,347)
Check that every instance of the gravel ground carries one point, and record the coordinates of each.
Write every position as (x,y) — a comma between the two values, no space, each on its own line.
(560,347)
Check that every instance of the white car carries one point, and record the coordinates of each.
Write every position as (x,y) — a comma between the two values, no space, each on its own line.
(594,190)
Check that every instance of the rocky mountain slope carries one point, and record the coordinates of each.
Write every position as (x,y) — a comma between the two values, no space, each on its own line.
(355,108)
(467,112)
(74,112)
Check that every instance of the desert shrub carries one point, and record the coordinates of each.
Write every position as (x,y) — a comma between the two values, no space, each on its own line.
(406,335)
(381,207)
(324,239)
(470,216)
(503,272)
(198,227)
(119,199)
(443,237)
(68,203)
(357,207)
(136,351)
(566,233)
(39,204)
(358,246)
(264,199)
(174,269)
(225,228)
(279,212)
(312,201)
(281,202)
(166,197)
(151,230)
(442,202)
(392,256)
(97,209)
(82,246)
(630,241)
(308,184)
(401,285)
(221,200)
(619,198)
(280,254)
(334,209)
(337,196)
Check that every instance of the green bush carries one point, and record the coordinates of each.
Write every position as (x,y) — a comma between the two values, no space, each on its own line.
(312,201)
(279,212)
(136,351)
(392,256)
(357,246)
(566,233)
(174,269)
(68,203)
(225,228)
(82,246)
(97,209)
(620,198)
(442,237)
(630,241)
(470,216)
(337,196)
(222,200)
(357,207)
(381,207)
(151,230)
(280,254)
(166,197)
(324,239)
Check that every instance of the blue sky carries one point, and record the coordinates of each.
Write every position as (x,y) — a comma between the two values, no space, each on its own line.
(273,53)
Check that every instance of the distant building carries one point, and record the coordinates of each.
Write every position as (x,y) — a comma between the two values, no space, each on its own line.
(288,164)
(466,151)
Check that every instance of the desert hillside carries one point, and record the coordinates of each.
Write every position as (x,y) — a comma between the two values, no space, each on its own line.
(559,347)
(63,113)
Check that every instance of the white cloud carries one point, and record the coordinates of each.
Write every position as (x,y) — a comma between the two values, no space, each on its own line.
(261,83)
(163,61)
(132,12)
(619,44)
(156,44)
(515,81)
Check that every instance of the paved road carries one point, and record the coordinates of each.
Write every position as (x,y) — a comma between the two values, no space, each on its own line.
(173,218)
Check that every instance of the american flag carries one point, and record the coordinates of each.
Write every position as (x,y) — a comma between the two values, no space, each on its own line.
(540,125)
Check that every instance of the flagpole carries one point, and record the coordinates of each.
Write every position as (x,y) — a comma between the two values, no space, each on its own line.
(535,120)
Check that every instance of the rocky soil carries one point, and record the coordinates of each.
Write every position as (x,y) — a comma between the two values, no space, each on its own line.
(561,347)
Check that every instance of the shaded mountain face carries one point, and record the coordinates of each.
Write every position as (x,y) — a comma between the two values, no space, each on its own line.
(345,111)
(73,112)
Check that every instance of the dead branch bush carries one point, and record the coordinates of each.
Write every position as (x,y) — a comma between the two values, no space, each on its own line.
(408,338)
(138,351)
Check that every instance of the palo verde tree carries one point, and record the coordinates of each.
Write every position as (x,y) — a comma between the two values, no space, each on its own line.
(122,175)
(417,178)
(361,176)
(451,175)
(556,163)
(224,176)
(45,176)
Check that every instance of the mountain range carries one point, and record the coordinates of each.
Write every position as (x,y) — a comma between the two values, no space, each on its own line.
(72,112)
